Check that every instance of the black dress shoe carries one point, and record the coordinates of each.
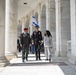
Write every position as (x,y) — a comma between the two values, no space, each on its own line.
(46,59)
(49,60)
(36,58)
(23,60)
(26,59)
(39,59)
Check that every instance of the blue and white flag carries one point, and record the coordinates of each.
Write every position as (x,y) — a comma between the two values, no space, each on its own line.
(34,22)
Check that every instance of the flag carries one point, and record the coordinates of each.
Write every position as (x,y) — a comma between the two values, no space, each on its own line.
(34,22)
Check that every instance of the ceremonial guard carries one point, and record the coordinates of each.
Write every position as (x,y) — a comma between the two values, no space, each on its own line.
(24,43)
(37,38)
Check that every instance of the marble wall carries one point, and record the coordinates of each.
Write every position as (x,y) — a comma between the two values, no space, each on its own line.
(2,28)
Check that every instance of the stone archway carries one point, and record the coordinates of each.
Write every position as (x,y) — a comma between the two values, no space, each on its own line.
(43,19)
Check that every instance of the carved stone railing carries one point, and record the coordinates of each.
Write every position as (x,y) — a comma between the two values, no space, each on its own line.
(68,48)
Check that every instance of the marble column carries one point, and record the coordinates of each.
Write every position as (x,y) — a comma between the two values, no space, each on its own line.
(27,24)
(32,28)
(3,60)
(19,29)
(73,31)
(58,27)
(23,24)
(50,19)
(39,16)
(11,27)
(47,15)
(62,26)
(43,20)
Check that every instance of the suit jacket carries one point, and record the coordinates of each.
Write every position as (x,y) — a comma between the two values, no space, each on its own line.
(37,36)
(25,39)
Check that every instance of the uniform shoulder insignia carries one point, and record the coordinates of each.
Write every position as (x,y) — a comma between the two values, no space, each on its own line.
(39,32)
(34,32)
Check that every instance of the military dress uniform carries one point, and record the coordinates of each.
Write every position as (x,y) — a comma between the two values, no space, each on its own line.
(37,38)
(25,41)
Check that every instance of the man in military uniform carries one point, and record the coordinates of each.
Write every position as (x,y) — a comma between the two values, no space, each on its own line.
(24,43)
(37,38)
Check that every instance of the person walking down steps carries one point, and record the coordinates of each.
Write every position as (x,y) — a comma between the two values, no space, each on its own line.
(24,43)
(48,45)
(37,39)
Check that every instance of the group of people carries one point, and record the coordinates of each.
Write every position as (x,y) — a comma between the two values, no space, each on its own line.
(36,40)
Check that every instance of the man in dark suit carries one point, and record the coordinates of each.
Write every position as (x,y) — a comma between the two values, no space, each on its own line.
(37,38)
(24,43)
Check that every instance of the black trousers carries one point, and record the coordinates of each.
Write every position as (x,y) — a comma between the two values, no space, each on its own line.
(37,51)
(25,50)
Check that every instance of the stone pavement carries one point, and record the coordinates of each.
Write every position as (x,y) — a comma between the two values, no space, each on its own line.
(33,67)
